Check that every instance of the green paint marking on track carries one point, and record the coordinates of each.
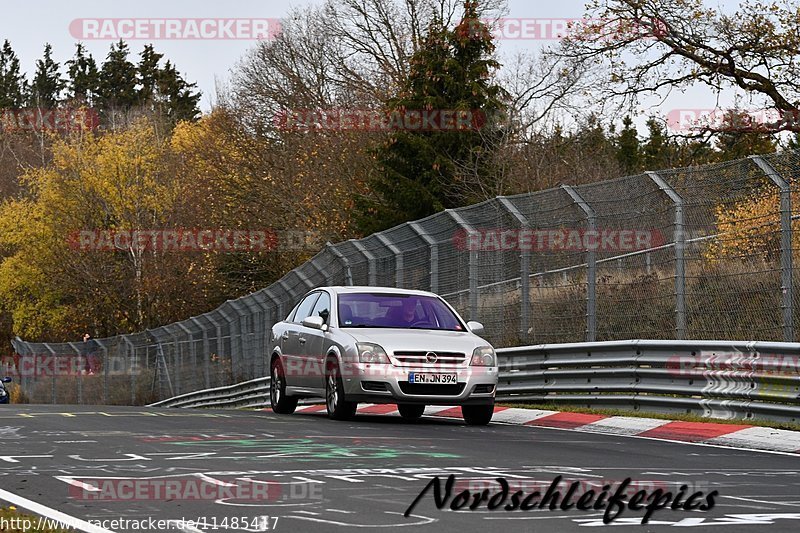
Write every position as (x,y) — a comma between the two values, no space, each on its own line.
(305,449)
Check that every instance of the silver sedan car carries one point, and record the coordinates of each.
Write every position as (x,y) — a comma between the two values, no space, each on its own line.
(381,345)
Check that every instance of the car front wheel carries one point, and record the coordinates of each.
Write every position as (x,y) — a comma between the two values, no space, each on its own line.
(279,401)
(338,407)
(477,415)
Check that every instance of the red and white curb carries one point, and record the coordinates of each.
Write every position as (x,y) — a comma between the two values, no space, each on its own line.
(728,435)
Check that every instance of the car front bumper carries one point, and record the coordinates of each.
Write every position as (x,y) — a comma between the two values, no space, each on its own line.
(363,383)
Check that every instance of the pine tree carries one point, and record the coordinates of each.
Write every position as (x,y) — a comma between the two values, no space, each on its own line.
(148,75)
(117,88)
(47,83)
(424,172)
(655,154)
(793,143)
(178,99)
(628,149)
(83,82)
(740,137)
(13,86)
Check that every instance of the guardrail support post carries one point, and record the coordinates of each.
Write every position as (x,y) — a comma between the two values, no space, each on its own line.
(524,271)
(434,249)
(680,250)
(398,258)
(348,273)
(591,262)
(473,264)
(787,286)
(373,277)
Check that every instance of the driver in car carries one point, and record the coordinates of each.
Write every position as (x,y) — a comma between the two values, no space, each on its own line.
(409,311)
(406,315)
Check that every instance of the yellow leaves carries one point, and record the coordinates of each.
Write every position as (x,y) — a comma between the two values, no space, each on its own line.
(748,227)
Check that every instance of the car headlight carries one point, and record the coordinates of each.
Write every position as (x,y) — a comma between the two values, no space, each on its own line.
(371,353)
(483,356)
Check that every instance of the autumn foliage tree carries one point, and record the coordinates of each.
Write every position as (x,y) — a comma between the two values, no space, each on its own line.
(126,180)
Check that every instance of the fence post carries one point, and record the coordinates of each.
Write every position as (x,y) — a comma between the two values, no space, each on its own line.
(473,264)
(206,349)
(80,373)
(131,358)
(192,350)
(321,271)
(294,298)
(308,283)
(370,261)
(591,265)
(398,259)
(524,270)
(348,276)
(105,370)
(787,286)
(220,341)
(434,249)
(53,377)
(177,372)
(235,329)
(680,260)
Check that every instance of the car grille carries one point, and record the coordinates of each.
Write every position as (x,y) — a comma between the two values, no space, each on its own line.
(442,358)
(427,389)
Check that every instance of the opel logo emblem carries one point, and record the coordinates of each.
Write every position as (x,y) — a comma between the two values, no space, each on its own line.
(431,357)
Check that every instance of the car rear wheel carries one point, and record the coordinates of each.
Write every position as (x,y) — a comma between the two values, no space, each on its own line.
(477,415)
(338,407)
(279,401)
(411,411)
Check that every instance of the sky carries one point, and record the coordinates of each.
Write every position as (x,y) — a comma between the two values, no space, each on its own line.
(31,24)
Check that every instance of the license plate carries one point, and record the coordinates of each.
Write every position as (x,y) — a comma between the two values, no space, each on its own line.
(439,379)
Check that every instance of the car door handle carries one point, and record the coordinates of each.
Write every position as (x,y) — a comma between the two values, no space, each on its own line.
(301,340)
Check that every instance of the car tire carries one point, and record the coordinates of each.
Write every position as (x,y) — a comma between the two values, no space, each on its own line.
(337,405)
(278,400)
(410,411)
(477,415)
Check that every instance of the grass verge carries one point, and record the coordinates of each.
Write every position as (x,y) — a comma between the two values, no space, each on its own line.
(14,521)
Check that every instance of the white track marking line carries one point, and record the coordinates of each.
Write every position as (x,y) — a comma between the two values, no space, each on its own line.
(758,501)
(65,519)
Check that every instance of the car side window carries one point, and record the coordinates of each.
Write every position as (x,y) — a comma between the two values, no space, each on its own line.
(305,307)
(323,307)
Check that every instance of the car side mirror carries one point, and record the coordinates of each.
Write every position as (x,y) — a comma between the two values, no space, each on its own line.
(314,322)
(7,379)
(475,327)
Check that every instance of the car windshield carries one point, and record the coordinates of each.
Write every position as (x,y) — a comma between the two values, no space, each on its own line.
(397,311)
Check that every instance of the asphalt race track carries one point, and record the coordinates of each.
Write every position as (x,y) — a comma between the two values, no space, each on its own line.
(314,474)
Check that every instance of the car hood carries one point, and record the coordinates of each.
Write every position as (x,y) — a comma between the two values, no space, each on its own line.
(393,340)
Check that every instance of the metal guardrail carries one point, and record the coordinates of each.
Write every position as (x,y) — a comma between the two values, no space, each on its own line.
(253,393)
(715,379)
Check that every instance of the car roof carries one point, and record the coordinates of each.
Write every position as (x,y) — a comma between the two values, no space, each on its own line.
(365,289)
